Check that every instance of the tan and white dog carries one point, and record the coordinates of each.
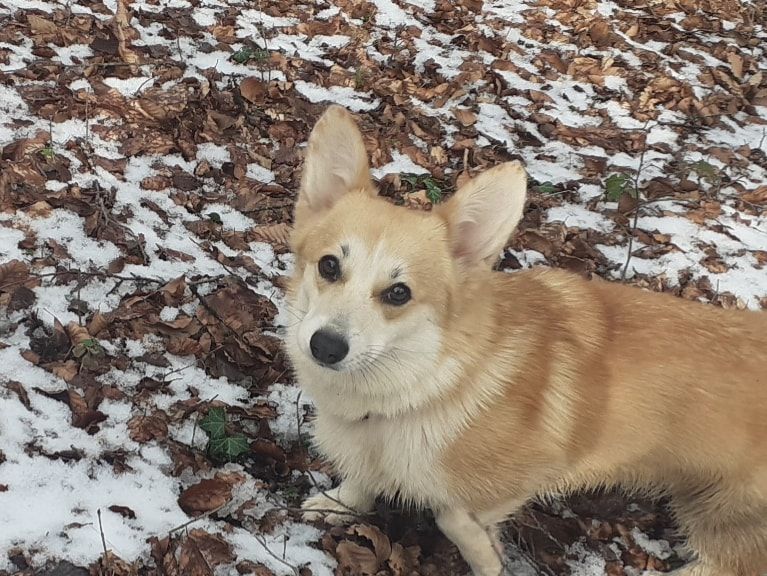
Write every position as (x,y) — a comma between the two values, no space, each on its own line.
(447,385)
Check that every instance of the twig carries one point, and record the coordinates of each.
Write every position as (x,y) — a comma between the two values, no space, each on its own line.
(133,278)
(193,520)
(108,218)
(107,560)
(260,539)
(637,208)
(49,62)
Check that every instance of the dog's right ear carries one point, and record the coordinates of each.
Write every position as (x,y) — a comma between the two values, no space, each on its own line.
(336,162)
(484,212)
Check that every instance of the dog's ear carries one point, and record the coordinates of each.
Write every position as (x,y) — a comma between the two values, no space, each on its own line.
(336,162)
(485,211)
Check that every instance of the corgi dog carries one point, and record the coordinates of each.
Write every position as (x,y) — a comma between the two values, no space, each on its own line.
(450,386)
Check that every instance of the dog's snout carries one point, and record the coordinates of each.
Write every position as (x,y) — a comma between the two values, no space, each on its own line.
(328,347)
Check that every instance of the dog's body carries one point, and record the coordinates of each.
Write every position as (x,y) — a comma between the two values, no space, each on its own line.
(471,392)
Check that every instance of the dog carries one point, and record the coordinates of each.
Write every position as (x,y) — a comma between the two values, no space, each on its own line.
(450,386)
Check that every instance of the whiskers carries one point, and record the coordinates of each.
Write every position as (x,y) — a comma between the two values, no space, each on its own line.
(382,370)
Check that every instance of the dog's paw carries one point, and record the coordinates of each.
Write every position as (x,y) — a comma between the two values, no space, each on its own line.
(327,507)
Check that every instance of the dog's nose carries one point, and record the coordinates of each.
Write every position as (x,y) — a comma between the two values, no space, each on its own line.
(328,347)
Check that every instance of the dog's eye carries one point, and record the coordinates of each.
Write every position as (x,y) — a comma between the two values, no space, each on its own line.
(396,295)
(329,268)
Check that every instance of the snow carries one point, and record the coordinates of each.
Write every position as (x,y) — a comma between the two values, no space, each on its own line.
(290,404)
(9,240)
(130,86)
(231,218)
(353,100)
(214,154)
(576,216)
(587,564)
(258,172)
(658,548)
(400,164)
(295,539)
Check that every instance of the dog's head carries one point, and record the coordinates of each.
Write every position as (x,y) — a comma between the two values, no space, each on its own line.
(374,284)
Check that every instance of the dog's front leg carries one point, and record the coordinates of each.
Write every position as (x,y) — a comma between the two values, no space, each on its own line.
(339,505)
(476,542)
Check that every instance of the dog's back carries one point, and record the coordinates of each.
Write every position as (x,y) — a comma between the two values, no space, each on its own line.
(620,386)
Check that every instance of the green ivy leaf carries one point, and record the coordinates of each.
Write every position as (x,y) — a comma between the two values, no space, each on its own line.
(242,56)
(616,185)
(48,153)
(705,170)
(228,448)
(433,191)
(214,423)
(546,188)
(411,179)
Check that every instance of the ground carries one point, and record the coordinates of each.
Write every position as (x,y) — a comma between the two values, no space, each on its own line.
(150,155)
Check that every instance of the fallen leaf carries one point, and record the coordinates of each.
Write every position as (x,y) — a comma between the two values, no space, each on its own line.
(380,541)
(253,90)
(123,511)
(12,274)
(465,117)
(147,428)
(356,560)
(205,496)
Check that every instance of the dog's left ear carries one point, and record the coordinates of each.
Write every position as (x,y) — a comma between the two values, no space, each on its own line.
(336,162)
(482,215)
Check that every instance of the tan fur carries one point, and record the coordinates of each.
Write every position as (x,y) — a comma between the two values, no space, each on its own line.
(488,389)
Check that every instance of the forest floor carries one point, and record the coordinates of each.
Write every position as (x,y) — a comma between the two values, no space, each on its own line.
(150,153)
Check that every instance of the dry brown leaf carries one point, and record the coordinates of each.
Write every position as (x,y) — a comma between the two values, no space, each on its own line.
(12,274)
(18,389)
(205,496)
(757,196)
(465,117)
(99,322)
(275,234)
(380,541)
(183,346)
(356,560)
(41,25)
(173,291)
(191,562)
(65,370)
(403,561)
(736,64)
(600,33)
(213,547)
(124,34)
(146,428)
(77,334)
(156,183)
(253,90)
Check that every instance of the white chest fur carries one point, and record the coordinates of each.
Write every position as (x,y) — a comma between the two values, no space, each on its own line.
(390,456)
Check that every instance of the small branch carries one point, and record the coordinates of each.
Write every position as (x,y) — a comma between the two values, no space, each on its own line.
(197,518)
(107,560)
(133,278)
(260,539)
(637,208)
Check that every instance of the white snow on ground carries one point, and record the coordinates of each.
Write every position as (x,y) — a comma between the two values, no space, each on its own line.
(343,95)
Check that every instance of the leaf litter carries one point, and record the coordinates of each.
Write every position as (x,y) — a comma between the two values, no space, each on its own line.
(149,158)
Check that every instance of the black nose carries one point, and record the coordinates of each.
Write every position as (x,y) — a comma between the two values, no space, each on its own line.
(328,347)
